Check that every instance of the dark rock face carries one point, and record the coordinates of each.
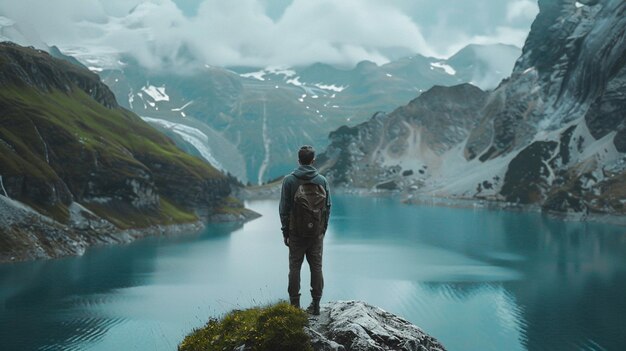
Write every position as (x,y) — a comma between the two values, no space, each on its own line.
(357,326)
(526,179)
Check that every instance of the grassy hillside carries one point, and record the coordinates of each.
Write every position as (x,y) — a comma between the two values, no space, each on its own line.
(63,139)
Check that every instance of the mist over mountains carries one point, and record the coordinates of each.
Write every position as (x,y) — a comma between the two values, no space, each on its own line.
(187,34)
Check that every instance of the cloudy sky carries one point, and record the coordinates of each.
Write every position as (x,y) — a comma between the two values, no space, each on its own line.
(267,32)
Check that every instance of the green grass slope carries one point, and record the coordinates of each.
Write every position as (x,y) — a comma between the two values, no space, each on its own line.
(278,327)
(64,139)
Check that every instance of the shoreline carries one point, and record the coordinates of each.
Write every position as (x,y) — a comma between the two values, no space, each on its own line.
(409,198)
(30,236)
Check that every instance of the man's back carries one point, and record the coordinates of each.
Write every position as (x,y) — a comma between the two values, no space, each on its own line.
(306,173)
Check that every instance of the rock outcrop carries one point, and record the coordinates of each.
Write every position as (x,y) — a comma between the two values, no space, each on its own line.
(357,326)
(553,134)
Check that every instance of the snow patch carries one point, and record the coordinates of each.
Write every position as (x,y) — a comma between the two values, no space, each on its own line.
(280,70)
(602,149)
(457,177)
(95,69)
(331,87)
(579,5)
(258,75)
(156,93)
(2,187)
(295,81)
(193,136)
(182,107)
(447,68)
(275,70)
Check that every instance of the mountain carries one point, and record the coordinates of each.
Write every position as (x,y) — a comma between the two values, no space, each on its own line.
(249,120)
(553,134)
(402,148)
(77,169)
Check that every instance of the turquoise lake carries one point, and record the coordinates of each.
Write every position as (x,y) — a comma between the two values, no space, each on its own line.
(475,279)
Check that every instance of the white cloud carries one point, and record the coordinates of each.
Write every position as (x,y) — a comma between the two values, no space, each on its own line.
(501,35)
(522,9)
(226,33)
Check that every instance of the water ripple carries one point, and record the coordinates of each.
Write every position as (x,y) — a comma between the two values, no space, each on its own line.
(82,331)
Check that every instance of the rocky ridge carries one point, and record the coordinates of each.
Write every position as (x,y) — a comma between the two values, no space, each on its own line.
(552,134)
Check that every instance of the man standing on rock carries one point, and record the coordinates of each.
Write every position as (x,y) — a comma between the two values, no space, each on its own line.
(304,211)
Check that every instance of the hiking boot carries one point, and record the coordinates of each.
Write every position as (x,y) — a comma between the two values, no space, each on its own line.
(314,307)
(295,301)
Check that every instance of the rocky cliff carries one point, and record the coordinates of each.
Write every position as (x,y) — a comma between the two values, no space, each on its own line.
(76,169)
(552,134)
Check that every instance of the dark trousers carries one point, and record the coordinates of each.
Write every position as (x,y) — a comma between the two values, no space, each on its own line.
(312,248)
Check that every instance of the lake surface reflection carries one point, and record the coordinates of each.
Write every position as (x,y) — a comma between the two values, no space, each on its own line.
(475,279)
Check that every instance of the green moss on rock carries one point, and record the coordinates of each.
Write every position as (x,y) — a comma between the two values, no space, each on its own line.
(272,328)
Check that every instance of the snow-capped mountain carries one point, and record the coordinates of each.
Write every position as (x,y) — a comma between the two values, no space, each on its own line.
(553,133)
(253,118)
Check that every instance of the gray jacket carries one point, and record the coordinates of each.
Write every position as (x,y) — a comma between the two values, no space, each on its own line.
(290,183)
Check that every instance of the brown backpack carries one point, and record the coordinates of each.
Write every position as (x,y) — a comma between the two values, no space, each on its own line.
(309,210)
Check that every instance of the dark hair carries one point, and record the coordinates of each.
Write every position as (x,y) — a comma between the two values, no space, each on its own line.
(306,155)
